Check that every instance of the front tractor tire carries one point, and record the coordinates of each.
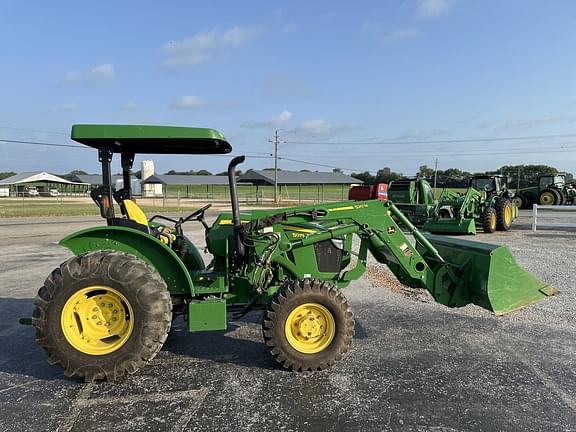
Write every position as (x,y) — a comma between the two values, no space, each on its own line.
(489,219)
(504,212)
(308,325)
(102,315)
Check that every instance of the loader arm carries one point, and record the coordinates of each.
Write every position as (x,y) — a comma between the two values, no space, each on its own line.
(456,272)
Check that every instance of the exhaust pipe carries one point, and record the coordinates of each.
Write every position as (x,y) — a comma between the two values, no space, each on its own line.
(240,250)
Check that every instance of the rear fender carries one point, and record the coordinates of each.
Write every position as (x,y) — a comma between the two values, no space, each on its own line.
(137,243)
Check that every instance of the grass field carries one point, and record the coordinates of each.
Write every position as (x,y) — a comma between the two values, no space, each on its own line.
(190,198)
(34,207)
(252,194)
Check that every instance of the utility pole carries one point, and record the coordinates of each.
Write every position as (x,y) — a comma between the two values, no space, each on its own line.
(435,174)
(275,141)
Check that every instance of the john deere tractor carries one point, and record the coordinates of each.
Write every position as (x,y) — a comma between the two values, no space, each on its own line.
(107,311)
(552,189)
(486,202)
(414,197)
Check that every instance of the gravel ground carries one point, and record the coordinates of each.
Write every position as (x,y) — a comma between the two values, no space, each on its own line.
(414,365)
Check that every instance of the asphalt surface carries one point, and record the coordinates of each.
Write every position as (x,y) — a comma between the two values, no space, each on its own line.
(414,365)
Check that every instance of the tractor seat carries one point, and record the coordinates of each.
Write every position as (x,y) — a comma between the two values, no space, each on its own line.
(136,215)
(134,212)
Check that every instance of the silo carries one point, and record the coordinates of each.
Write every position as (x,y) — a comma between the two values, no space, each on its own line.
(150,190)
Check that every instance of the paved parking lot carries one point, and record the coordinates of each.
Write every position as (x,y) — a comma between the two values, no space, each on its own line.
(414,365)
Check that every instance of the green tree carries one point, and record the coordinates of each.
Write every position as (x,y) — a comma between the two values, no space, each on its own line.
(386,175)
(365,176)
(6,174)
(426,172)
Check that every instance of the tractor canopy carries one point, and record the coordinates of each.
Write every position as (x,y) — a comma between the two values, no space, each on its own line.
(151,139)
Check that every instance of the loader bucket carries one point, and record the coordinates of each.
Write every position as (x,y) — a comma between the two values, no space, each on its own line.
(491,277)
(450,226)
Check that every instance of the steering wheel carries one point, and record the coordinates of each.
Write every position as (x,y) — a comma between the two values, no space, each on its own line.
(199,214)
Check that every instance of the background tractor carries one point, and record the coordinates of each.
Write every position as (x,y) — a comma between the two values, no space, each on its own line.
(487,202)
(551,190)
(107,311)
(412,195)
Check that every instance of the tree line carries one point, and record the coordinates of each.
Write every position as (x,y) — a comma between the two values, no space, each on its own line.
(518,175)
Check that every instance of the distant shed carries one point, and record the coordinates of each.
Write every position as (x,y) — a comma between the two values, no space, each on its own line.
(174,179)
(18,184)
(188,184)
(266,177)
(95,180)
(300,179)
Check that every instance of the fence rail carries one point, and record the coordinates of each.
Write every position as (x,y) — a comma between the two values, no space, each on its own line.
(552,215)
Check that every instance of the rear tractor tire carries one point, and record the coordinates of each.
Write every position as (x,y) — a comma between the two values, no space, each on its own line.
(489,219)
(549,197)
(504,213)
(518,201)
(308,325)
(102,315)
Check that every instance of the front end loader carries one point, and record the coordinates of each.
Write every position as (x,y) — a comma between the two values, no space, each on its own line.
(107,311)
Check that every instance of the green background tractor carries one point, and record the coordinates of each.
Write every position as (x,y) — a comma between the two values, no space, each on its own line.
(551,190)
(107,311)
(414,197)
(487,202)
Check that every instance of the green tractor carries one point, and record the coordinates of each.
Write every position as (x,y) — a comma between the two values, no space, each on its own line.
(552,189)
(487,202)
(414,197)
(107,311)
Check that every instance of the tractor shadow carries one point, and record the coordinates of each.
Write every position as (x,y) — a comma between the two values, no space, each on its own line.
(19,354)
(241,344)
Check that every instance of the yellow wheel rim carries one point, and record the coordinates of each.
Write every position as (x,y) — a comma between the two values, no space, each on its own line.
(507,215)
(492,220)
(97,320)
(547,198)
(310,328)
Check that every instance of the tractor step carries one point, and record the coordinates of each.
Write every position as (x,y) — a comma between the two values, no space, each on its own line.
(207,315)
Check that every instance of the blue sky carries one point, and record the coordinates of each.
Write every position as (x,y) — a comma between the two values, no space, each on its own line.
(357,73)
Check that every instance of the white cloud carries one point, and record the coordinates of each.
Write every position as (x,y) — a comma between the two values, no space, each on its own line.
(534,122)
(131,106)
(407,33)
(97,74)
(433,8)
(66,107)
(274,122)
(289,28)
(321,129)
(314,127)
(188,102)
(203,47)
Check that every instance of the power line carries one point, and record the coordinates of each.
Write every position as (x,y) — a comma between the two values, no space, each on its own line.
(40,143)
(321,165)
(33,130)
(444,141)
(454,153)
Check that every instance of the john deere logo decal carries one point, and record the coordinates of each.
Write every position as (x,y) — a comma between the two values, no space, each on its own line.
(391,229)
